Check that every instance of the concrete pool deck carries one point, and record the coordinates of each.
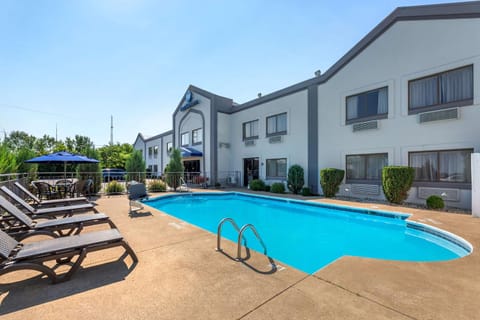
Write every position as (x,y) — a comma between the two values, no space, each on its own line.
(181,276)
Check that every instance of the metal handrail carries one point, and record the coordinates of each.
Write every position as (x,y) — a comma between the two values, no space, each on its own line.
(240,235)
(219,230)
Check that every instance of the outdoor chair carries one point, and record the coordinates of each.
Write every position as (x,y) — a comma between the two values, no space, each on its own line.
(36,201)
(49,212)
(32,256)
(45,190)
(20,226)
(136,192)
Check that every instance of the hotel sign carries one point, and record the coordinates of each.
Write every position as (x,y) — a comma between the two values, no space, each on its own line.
(189,102)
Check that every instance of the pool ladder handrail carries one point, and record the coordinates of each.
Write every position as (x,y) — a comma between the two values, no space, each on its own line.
(240,236)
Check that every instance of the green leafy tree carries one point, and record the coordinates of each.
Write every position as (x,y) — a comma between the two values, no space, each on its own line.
(135,167)
(295,178)
(17,140)
(92,171)
(8,163)
(24,154)
(174,169)
(115,155)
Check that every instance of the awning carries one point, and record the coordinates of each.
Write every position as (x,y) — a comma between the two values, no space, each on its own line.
(188,152)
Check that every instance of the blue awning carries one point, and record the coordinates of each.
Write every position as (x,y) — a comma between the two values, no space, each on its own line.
(188,152)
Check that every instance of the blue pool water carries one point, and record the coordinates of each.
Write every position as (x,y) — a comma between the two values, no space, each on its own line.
(308,236)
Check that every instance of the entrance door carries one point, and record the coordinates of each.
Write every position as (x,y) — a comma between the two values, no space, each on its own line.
(192,169)
(250,170)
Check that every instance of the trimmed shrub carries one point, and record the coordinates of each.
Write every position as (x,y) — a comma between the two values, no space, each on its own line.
(257,185)
(306,192)
(115,187)
(330,180)
(277,187)
(157,186)
(267,188)
(396,181)
(295,179)
(435,202)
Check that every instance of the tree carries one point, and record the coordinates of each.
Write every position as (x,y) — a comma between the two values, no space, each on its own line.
(174,169)
(18,140)
(135,167)
(115,155)
(295,178)
(8,164)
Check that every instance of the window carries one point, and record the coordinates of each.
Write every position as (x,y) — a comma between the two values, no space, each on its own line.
(155,152)
(277,125)
(197,136)
(150,152)
(250,130)
(366,168)
(277,168)
(155,169)
(185,139)
(169,147)
(452,88)
(367,105)
(450,166)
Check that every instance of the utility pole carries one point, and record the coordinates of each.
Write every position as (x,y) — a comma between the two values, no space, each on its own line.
(111,130)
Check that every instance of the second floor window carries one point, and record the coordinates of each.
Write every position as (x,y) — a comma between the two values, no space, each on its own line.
(169,147)
(185,139)
(367,105)
(443,90)
(277,125)
(150,152)
(155,152)
(250,130)
(197,136)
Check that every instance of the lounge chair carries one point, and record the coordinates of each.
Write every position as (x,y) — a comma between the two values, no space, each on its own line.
(54,211)
(18,225)
(136,192)
(54,202)
(31,256)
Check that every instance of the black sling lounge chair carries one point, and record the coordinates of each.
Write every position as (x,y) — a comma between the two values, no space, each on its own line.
(32,256)
(19,226)
(55,202)
(53,211)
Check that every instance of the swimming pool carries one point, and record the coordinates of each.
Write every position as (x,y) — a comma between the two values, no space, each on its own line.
(309,235)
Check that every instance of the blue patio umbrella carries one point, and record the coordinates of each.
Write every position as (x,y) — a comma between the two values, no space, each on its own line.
(62,157)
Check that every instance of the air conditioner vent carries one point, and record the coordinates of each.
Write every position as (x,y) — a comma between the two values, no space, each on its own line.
(365,126)
(366,189)
(225,145)
(275,139)
(249,143)
(438,115)
(446,194)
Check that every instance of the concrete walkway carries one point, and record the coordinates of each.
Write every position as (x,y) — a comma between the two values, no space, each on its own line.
(181,276)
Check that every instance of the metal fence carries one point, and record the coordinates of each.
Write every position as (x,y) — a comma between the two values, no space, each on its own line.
(97,182)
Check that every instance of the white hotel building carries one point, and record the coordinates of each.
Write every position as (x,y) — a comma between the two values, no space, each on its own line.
(407,94)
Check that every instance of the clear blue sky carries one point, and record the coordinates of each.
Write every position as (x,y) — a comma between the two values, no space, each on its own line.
(73,64)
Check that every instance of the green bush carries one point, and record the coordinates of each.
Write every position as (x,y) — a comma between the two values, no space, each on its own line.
(306,192)
(330,180)
(267,188)
(295,178)
(115,187)
(277,187)
(435,202)
(135,167)
(257,185)
(396,181)
(157,186)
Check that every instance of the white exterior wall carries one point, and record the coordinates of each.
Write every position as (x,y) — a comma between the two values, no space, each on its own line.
(294,145)
(408,50)
(151,160)
(188,120)
(224,147)
(165,154)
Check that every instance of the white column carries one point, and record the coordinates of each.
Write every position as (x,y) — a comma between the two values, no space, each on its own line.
(476,184)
